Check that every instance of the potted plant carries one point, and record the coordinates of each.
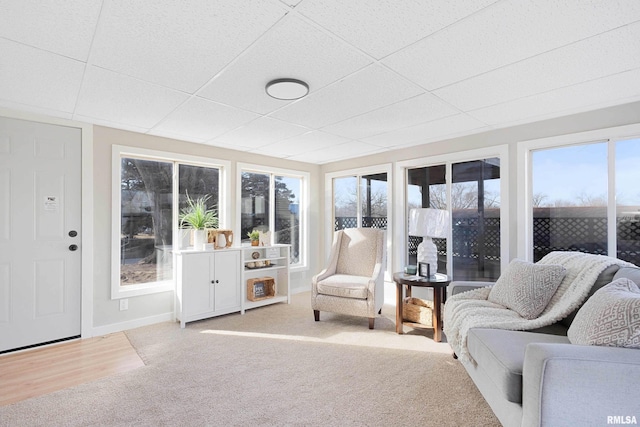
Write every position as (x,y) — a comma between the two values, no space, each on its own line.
(254,235)
(197,216)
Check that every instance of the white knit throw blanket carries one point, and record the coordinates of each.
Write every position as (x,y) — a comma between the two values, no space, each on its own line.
(472,310)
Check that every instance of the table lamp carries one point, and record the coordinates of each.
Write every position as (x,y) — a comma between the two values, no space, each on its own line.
(428,223)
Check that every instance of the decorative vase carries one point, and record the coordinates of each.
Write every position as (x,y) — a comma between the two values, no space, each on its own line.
(222,240)
(199,237)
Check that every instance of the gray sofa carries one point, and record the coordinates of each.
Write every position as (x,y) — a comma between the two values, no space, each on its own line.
(538,378)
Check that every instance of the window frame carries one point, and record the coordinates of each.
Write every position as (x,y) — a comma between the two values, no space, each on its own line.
(525,176)
(329,205)
(303,206)
(400,196)
(117,153)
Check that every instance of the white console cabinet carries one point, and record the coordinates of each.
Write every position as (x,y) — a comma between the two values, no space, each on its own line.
(212,283)
(207,284)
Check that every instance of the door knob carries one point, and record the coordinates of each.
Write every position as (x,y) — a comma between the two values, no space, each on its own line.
(73,233)
(73,247)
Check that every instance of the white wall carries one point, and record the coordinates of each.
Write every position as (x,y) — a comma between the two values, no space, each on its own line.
(145,309)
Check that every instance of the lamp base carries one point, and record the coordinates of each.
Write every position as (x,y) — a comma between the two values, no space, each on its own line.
(428,252)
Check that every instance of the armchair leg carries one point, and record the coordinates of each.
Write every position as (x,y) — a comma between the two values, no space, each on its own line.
(316,315)
(371,320)
(380,311)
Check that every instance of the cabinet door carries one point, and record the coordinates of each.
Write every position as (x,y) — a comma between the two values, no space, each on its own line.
(197,289)
(227,287)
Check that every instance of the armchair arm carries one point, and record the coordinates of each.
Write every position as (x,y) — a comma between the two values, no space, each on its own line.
(461,286)
(567,384)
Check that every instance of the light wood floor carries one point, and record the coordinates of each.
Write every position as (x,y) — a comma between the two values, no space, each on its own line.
(44,370)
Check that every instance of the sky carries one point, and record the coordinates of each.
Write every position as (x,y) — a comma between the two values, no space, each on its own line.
(566,173)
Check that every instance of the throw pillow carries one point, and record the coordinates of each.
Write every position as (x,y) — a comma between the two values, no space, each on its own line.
(527,288)
(611,317)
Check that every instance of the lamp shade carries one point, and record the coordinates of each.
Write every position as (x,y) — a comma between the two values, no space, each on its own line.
(429,222)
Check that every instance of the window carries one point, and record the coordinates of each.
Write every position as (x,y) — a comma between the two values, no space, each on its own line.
(571,216)
(628,200)
(359,198)
(582,194)
(360,201)
(196,182)
(147,196)
(474,203)
(275,201)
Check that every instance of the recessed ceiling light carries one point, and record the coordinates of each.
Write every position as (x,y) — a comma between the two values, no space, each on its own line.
(287,89)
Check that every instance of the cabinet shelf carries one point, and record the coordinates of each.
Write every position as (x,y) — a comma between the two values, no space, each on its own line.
(270,267)
(278,256)
(255,304)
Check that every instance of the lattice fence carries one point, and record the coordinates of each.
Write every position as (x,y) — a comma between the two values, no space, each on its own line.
(480,240)
(343,222)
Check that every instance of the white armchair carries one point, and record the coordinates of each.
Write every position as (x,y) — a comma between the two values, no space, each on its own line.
(353,281)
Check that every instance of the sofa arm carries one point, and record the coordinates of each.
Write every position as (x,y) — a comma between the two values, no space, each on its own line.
(460,286)
(566,384)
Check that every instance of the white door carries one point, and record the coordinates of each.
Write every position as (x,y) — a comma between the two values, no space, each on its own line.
(40,213)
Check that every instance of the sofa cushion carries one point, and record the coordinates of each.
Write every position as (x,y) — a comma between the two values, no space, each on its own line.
(500,354)
(632,273)
(611,317)
(606,277)
(527,288)
(345,286)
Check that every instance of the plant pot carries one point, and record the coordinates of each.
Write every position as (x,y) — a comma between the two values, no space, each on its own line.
(255,242)
(199,239)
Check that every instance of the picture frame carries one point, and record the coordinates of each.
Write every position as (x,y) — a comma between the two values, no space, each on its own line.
(261,288)
(258,290)
(424,269)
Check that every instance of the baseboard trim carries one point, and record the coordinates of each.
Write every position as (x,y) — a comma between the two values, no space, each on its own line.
(132,324)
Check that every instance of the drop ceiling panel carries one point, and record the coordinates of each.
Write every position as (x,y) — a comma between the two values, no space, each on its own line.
(361,92)
(339,152)
(258,133)
(203,119)
(384,75)
(609,53)
(38,78)
(124,100)
(310,141)
(175,45)
(611,90)
(65,28)
(382,27)
(427,132)
(410,112)
(292,49)
(505,33)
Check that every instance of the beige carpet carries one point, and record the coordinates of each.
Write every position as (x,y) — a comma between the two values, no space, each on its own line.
(272,366)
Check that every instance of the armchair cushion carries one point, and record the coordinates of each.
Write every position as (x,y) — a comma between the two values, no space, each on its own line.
(345,286)
(611,317)
(358,253)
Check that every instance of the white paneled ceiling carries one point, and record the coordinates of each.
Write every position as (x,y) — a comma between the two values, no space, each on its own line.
(382,74)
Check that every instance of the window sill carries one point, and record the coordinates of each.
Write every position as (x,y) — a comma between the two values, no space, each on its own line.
(142,289)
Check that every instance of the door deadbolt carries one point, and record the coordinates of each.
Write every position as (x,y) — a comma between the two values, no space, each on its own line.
(73,247)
